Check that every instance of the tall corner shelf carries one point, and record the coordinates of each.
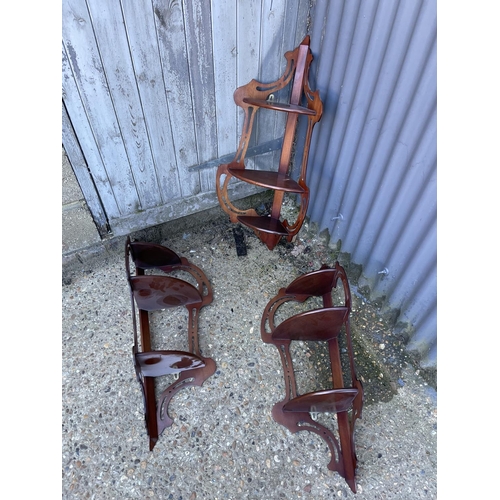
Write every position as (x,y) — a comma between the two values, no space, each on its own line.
(251,98)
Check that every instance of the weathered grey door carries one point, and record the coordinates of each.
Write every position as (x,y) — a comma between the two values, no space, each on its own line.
(148,98)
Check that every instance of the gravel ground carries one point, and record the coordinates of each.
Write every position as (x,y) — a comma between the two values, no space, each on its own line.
(224,443)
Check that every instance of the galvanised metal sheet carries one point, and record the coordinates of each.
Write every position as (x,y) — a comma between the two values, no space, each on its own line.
(372,167)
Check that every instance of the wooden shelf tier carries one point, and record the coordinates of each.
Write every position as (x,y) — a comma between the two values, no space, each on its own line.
(264,178)
(158,363)
(330,401)
(280,106)
(316,325)
(264,223)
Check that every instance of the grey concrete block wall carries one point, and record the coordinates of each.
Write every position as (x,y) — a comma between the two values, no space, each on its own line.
(78,228)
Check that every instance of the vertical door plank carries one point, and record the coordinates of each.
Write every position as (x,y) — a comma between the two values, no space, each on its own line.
(302,24)
(169,19)
(141,32)
(200,58)
(80,168)
(109,30)
(89,99)
(248,39)
(83,132)
(270,64)
(288,39)
(224,63)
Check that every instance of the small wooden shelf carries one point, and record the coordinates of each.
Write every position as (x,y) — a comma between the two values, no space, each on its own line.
(264,178)
(264,224)
(315,325)
(280,106)
(329,401)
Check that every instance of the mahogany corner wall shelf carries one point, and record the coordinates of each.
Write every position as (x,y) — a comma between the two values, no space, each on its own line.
(320,325)
(252,97)
(152,292)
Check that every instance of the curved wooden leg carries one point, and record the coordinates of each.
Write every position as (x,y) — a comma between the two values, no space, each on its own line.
(222,195)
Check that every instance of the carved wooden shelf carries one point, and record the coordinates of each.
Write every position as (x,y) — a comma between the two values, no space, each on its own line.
(152,289)
(303,102)
(325,324)
(264,224)
(272,180)
(277,106)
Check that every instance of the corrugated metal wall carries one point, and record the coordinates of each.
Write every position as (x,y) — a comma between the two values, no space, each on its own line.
(372,169)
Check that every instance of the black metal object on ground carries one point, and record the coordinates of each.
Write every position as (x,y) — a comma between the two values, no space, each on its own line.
(239,239)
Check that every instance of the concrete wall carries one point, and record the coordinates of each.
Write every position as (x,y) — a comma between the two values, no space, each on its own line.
(78,228)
